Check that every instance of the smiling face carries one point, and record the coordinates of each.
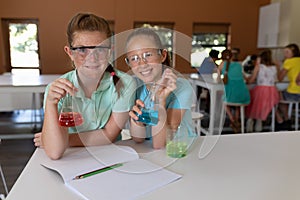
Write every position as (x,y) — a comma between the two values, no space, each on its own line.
(90,62)
(145,58)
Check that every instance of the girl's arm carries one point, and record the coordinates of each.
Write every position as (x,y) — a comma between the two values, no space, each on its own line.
(281,74)
(298,79)
(221,67)
(137,131)
(54,138)
(103,136)
(168,84)
(252,78)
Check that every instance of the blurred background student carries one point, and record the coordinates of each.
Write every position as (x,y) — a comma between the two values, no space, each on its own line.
(291,68)
(208,66)
(264,96)
(236,90)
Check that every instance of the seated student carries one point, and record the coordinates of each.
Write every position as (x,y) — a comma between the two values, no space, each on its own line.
(101,92)
(236,90)
(149,62)
(235,54)
(290,69)
(264,96)
(208,66)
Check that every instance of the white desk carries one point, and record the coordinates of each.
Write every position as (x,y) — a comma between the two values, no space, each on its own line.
(22,92)
(216,90)
(25,83)
(261,166)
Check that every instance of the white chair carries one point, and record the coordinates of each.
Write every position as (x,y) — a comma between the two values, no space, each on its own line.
(273,118)
(197,115)
(291,103)
(242,113)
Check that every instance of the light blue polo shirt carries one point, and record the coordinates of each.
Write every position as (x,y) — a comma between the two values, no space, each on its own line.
(97,109)
(180,98)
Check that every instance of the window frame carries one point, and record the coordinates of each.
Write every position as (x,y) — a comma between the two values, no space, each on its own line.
(210,28)
(6,41)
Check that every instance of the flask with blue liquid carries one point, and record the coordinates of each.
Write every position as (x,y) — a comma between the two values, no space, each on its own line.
(149,114)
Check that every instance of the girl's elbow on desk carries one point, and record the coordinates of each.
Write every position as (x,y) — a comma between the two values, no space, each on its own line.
(54,155)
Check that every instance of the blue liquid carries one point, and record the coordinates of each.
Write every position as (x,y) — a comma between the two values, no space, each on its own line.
(149,117)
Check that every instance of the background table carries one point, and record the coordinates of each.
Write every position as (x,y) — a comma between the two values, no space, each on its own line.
(216,90)
(23,92)
(262,166)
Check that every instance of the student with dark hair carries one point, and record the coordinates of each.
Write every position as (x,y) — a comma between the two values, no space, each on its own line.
(103,94)
(208,66)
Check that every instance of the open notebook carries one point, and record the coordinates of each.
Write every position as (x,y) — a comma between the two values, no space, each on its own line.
(132,179)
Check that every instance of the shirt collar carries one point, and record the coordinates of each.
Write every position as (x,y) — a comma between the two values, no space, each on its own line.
(105,83)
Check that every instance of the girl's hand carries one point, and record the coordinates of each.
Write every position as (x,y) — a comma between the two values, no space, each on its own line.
(59,88)
(38,140)
(167,84)
(136,109)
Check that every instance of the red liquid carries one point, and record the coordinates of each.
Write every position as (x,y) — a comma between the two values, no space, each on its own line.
(70,119)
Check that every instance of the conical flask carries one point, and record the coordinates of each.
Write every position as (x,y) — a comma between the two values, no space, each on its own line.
(69,114)
(149,114)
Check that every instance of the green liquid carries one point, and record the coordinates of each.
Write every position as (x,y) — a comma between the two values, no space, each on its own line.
(176,149)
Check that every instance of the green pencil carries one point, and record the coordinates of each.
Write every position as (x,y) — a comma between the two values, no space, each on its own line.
(97,171)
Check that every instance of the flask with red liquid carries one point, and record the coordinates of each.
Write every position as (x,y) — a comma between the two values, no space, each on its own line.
(69,115)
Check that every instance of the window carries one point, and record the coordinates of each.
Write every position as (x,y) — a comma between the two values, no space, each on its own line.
(21,45)
(164,31)
(206,37)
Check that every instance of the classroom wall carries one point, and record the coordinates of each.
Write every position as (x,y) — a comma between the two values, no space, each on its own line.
(54,15)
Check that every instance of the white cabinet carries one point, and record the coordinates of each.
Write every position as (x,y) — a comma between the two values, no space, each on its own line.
(279,24)
(268,26)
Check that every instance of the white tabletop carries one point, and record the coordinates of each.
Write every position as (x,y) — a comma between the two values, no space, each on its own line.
(263,166)
(25,83)
(18,92)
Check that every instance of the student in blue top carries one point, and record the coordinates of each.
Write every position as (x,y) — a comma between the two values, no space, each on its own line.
(149,62)
(102,93)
